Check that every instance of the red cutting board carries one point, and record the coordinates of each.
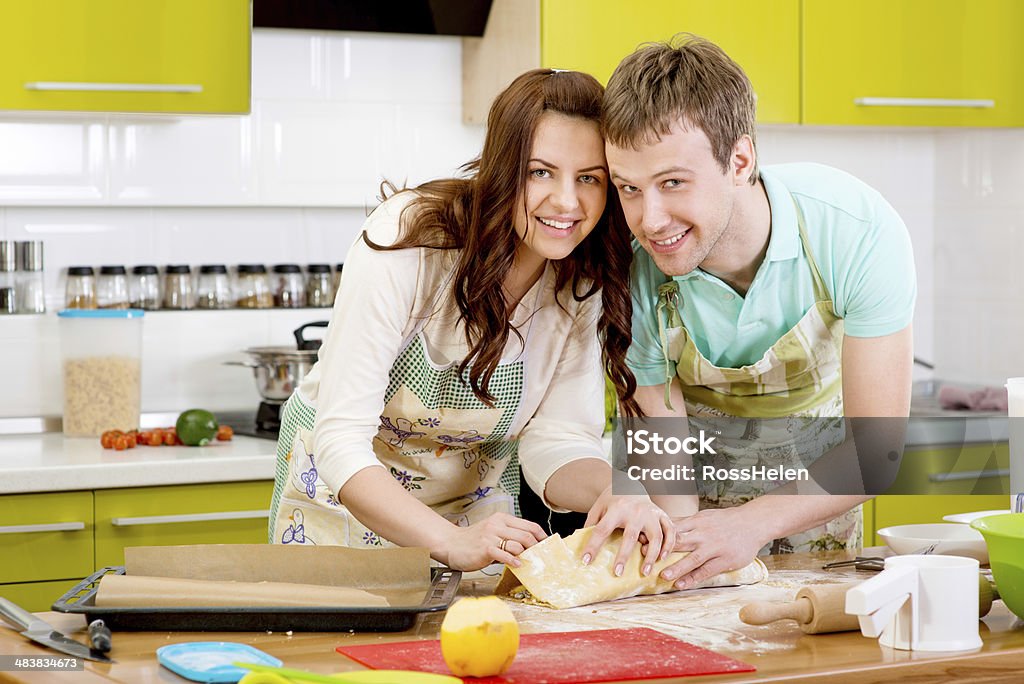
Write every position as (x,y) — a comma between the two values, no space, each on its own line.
(566,657)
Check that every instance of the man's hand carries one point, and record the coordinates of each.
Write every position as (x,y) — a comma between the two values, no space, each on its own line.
(718,540)
(635,514)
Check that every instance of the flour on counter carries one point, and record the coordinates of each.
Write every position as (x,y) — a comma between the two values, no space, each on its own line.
(704,617)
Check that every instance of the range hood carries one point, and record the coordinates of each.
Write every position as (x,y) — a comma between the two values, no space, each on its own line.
(435,17)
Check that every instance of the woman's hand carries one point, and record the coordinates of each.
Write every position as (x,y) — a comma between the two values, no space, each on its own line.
(635,514)
(718,540)
(499,537)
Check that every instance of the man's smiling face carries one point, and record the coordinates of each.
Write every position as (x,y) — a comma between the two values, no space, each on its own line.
(677,200)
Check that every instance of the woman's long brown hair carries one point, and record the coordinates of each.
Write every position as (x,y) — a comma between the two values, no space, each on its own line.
(475,215)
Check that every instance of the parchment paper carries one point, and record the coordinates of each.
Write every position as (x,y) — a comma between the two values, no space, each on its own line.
(267,575)
(129,591)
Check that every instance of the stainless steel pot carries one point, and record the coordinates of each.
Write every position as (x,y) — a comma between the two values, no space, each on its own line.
(279,370)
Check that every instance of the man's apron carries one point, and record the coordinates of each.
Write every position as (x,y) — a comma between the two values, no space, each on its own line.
(798,377)
(436,438)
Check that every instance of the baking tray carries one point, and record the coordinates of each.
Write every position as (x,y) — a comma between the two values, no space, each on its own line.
(82,599)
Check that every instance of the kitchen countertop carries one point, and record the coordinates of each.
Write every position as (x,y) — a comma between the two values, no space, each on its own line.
(708,618)
(50,462)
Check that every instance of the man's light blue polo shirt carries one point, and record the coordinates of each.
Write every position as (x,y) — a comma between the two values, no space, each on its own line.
(862,250)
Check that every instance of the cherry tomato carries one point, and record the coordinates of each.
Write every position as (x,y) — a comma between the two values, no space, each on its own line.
(121,443)
(225,433)
(107,440)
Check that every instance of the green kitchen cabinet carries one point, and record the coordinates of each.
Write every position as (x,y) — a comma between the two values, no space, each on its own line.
(215,513)
(952,479)
(913,62)
(762,37)
(868,516)
(912,509)
(176,56)
(46,543)
(36,597)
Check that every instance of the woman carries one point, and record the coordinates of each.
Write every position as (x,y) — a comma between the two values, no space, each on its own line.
(466,332)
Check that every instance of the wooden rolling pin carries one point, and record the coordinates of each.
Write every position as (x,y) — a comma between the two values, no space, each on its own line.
(821,608)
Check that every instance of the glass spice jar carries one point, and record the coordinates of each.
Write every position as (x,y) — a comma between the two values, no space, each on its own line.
(8,278)
(319,289)
(289,287)
(80,289)
(177,287)
(31,283)
(214,291)
(112,288)
(252,287)
(144,288)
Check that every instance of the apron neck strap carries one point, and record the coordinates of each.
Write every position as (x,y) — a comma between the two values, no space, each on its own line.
(667,313)
(820,290)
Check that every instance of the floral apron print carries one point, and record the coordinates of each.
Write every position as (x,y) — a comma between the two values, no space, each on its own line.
(799,377)
(435,437)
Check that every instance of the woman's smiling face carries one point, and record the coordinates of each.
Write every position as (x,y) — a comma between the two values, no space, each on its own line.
(566,187)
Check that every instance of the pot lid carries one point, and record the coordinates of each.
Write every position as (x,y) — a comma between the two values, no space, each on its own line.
(283,352)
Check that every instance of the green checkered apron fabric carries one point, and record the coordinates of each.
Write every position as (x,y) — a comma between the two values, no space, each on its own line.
(435,437)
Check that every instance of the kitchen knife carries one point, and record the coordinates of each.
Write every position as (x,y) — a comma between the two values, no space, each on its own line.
(40,632)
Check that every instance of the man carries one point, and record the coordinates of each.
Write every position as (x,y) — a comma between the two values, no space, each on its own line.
(758,294)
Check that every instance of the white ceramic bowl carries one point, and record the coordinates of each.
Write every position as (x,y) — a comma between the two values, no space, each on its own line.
(968,518)
(951,539)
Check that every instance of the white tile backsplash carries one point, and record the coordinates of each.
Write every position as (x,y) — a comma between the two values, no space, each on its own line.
(333,114)
(245,235)
(309,152)
(388,68)
(53,161)
(288,65)
(29,360)
(980,169)
(414,156)
(192,161)
(83,236)
(331,232)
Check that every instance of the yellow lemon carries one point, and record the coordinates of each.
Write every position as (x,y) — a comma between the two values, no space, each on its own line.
(479,637)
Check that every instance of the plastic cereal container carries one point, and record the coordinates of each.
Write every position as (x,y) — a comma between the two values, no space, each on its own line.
(101,353)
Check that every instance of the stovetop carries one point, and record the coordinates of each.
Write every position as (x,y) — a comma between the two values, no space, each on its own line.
(244,423)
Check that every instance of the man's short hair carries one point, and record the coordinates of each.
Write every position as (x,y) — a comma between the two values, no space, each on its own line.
(688,79)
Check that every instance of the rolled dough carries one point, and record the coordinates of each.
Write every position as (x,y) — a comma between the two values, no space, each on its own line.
(554,576)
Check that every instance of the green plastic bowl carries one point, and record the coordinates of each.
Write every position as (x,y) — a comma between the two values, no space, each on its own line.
(1004,535)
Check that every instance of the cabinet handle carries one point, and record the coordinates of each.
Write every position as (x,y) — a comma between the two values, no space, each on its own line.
(188,517)
(83,86)
(923,102)
(44,527)
(967,475)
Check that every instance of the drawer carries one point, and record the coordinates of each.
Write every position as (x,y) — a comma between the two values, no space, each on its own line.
(36,597)
(954,470)
(219,513)
(46,536)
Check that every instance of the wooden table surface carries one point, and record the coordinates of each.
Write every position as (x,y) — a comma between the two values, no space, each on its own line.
(708,618)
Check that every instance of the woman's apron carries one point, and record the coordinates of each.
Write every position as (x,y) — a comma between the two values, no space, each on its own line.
(436,438)
(799,377)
